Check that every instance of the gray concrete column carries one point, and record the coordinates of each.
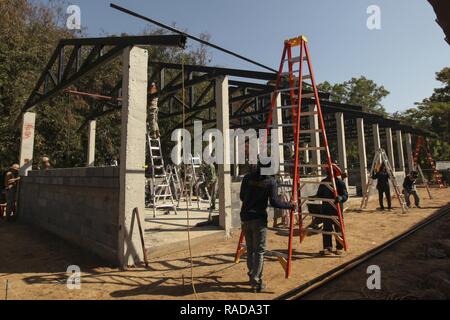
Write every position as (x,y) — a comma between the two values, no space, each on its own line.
(409,152)
(340,131)
(236,156)
(376,136)
(401,157)
(315,137)
(27,142)
(224,177)
(390,147)
(132,153)
(376,139)
(362,152)
(277,120)
(91,143)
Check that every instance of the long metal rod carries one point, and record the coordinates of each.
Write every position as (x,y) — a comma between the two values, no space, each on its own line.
(162,25)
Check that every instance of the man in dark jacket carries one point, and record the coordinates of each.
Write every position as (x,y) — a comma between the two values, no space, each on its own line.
(409,188)
(256,191)
(382,177)
(329,209)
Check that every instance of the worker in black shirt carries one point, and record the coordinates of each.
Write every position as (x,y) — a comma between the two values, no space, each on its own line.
(329,209)
(409,188)
(256,191)
(382,177)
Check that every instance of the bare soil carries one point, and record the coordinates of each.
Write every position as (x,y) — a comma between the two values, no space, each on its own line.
(35,262)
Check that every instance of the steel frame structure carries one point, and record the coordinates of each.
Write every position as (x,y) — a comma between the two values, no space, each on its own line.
(249,91)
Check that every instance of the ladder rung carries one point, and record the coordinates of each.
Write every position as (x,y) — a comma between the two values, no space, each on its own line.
(308,113)
(329,183)
(317,199)
(310,131)
(323,216)
(323,232)
(305,165)
(295,59)
(311,148)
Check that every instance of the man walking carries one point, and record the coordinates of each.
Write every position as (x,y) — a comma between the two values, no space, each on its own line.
(11,182)
(256,191)
(382,177)
(409,188)
(327,209)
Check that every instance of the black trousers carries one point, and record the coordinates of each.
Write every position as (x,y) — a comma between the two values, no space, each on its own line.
(387,192)
(330,226)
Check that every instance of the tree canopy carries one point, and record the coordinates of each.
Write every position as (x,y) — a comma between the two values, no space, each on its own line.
(359,91)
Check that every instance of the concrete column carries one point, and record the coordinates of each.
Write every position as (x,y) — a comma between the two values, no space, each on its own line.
(401,157)
(342,152)
(409,152)
(91,143)
(224,177)
(277,120)
(362,152)
(315,137)
(132,153)
(27,142)
(376,136)
(236,156)
(390,147)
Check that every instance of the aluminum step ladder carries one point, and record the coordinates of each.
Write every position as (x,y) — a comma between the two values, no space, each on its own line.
(381,158)
(161,196)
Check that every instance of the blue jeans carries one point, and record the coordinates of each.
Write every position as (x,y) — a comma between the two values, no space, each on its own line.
(408,194)
(255,238)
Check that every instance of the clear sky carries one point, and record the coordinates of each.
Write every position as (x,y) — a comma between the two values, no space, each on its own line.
(403,56)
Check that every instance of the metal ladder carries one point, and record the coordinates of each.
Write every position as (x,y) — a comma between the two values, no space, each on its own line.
(381,157)
(160,191)
(174,179)
(295,80)
(422,142)
(191,179)
(424,180)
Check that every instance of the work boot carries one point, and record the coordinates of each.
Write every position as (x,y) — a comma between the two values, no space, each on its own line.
(326,252)
(260,287)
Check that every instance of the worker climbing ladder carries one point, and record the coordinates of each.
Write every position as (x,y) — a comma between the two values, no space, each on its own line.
(381,158)
(293,82)
(161,196)
(422,142)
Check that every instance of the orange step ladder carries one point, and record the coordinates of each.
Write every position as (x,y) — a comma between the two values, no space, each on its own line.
(422,142)
(293,81)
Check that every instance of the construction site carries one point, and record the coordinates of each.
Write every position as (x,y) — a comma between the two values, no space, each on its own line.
(164,220)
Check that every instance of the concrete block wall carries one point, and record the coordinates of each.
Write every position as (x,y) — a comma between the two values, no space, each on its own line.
(80,205)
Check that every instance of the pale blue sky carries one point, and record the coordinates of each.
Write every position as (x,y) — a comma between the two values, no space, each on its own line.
(403,56)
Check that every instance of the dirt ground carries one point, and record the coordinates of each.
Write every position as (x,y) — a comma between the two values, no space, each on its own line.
(417,267)
(34,262)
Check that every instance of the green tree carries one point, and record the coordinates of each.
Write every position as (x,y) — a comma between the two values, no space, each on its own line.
(359,91)
(433,114)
